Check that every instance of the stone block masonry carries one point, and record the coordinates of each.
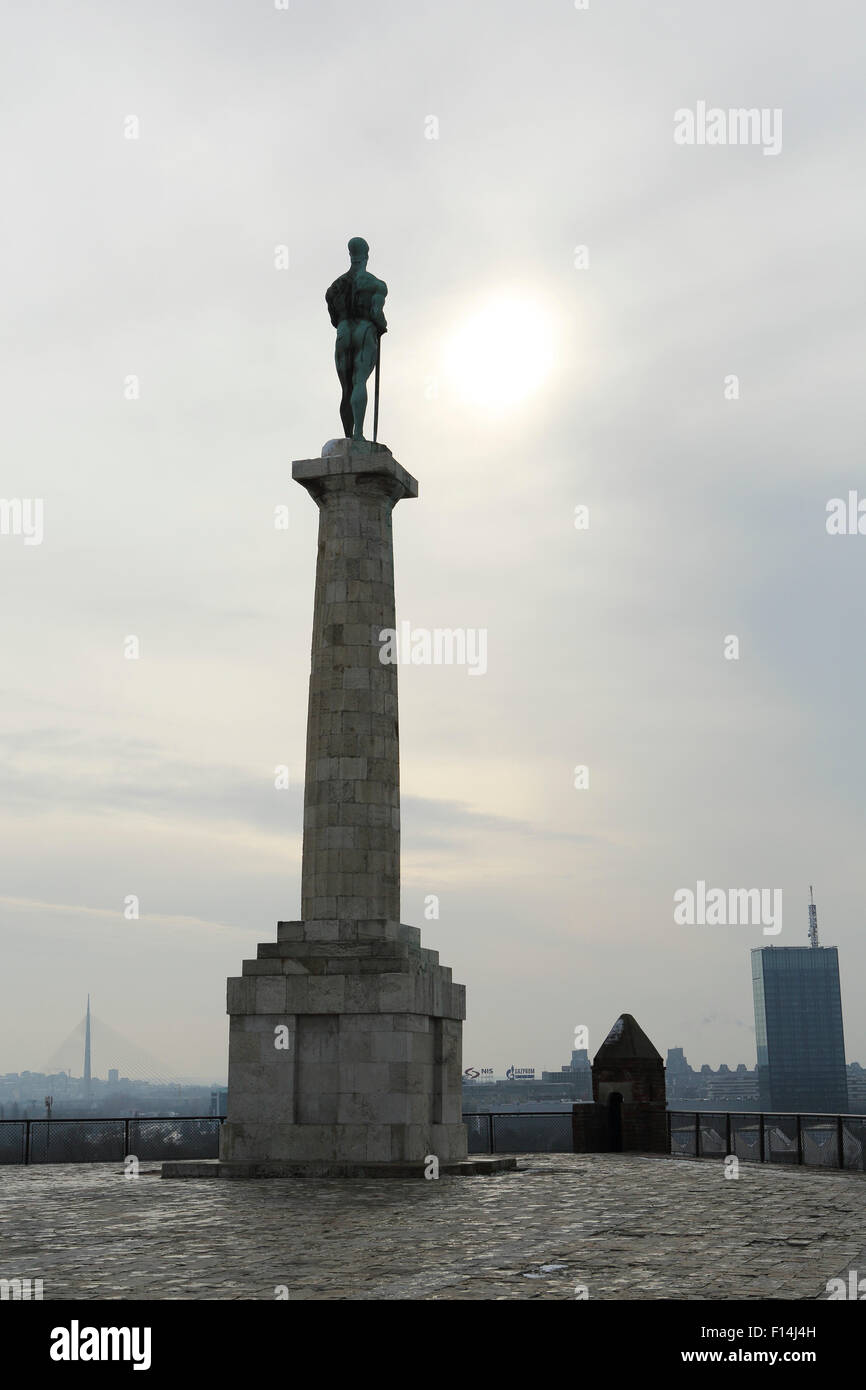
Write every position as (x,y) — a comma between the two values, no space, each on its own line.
(345,1035)
(351,864)
(344,1049)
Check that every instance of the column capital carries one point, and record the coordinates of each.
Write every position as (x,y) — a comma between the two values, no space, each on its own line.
(348,464)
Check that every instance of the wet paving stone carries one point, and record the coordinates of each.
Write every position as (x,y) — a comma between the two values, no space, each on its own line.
(622,1226)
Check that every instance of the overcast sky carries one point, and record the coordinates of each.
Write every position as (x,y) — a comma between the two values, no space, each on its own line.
(516,386)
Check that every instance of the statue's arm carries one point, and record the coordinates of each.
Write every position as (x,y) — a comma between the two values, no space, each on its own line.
(377,307)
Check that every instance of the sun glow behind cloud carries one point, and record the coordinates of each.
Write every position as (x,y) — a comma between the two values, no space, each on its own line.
(503,352)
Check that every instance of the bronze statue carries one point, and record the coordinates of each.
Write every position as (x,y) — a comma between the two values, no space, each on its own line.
(355,302)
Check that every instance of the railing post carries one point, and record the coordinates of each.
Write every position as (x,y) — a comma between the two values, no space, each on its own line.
(490,1128)
(840,1140)
(697,1134)
(761,1158)
(126,1138)
(727,1133)
(800,1140)
(26,1141)
(668,1130)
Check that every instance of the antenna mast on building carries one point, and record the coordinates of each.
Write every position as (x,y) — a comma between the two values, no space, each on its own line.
(87,1049)
(813,919)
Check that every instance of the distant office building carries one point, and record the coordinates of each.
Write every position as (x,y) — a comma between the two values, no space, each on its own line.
(113,1076)
(856,1088)
(725,1089)
(578,1072)
(798,1026)
(729,1088)
(680,1079)
(219,1100)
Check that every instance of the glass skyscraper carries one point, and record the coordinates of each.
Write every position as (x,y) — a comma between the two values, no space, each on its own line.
(798,1029)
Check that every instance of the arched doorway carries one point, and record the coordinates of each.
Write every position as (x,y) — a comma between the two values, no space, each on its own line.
(614,1122)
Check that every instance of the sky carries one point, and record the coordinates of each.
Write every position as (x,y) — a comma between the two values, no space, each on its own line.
(583,313)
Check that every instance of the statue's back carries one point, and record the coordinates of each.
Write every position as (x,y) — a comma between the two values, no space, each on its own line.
(351,296)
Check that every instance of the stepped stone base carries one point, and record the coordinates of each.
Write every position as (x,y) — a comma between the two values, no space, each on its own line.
(344,1048)
(214,1168)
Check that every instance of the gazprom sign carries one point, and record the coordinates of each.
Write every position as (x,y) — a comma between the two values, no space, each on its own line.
(520,1074)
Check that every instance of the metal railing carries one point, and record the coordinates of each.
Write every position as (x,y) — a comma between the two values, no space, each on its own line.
(103,1140)
(535,1131)
(810,1140)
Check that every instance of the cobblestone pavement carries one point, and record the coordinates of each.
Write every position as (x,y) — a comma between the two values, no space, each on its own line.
(624,1226)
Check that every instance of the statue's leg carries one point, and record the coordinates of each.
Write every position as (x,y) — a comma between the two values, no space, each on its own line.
(343,360)
(364,342)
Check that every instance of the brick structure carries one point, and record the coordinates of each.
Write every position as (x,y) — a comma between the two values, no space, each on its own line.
(628,1088)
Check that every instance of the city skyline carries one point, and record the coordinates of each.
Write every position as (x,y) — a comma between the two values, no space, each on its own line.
(118,1042)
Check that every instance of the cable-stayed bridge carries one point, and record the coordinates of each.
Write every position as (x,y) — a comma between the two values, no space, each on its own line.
(108,1049)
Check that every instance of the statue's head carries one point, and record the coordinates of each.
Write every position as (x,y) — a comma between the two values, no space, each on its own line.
(359,251)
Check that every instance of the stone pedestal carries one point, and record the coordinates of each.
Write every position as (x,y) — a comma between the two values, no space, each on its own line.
(345,1037)
(345,1046)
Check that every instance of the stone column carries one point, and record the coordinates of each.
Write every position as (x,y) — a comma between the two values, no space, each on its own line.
(345,1037)
(351,859)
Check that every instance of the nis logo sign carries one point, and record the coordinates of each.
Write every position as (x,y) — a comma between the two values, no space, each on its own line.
(472,1073)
